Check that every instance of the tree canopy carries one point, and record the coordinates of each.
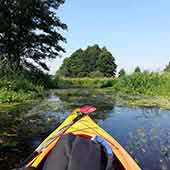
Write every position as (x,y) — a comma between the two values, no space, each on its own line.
(167,67)
(89,62)
(122,72)
(137,70)
(29,32)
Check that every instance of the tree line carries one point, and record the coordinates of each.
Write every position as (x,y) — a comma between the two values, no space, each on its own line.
(122,71)
(91,62)
(30,34)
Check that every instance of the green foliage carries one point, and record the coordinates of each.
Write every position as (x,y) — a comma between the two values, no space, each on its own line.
(86,63)
(20,96)
(146,83)
(8,96)
(137,70)
(152,84)
(96,74)
(29,32)
(122,72)
(167,68)
(106,64)
(73,66)
(86,82)
(21,87)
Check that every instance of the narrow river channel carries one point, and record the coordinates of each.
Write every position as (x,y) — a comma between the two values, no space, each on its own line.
(144,132)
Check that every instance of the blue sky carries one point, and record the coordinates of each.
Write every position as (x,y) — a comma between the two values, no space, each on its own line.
(137,32)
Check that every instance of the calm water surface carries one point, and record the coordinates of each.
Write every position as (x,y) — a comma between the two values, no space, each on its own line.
(144,132)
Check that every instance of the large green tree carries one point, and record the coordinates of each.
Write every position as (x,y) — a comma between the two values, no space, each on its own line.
(88,62)
(106,63)
(74,66)
(29,32)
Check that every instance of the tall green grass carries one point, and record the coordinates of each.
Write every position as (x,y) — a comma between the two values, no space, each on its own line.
(21,87)
(152,84)
(85,82)
(146,83)
(18,88)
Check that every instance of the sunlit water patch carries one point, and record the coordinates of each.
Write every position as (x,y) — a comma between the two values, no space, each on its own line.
(145,133)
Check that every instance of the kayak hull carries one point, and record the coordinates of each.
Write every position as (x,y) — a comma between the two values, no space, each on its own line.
(86,126)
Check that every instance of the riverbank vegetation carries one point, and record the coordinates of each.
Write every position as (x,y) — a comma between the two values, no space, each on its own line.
(95,67)
(136,89)
(85,68)
(22,87)
(29,34)
(27,44)
(144,83)
(85,82)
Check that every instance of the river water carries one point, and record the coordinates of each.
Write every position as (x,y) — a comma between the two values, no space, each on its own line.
(144,132)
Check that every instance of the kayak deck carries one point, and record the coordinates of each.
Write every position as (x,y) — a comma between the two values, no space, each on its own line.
(85,126)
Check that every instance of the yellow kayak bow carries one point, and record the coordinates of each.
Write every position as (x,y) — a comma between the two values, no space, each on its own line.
(79,123)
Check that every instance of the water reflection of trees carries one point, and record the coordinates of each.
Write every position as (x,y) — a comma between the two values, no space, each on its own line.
(78,97)
(22,131)
(103,108)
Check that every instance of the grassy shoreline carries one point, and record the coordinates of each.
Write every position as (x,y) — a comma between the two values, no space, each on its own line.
(19,89)
(148,89)
(138,89)
(107,94)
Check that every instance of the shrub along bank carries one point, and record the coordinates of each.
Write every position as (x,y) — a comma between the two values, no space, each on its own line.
(23,87)
(146,83)
(85,82)
(138,89)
